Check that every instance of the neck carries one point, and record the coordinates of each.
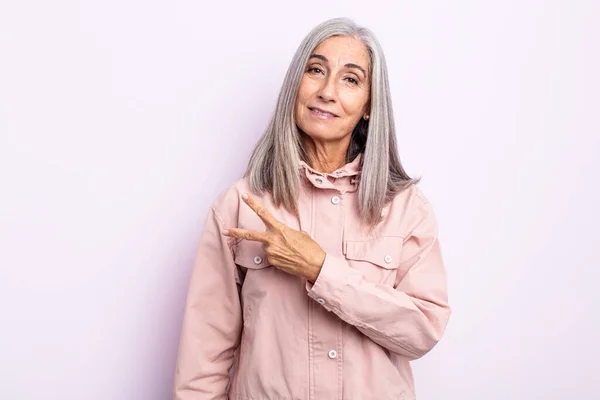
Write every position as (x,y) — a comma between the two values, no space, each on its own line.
(325,157)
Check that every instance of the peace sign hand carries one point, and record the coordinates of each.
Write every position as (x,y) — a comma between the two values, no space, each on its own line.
(292,251)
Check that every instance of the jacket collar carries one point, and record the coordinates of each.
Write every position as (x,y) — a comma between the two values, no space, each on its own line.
(345,180)
(350,169)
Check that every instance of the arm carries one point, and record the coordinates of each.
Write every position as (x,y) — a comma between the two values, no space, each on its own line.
(212,319)
(408,318)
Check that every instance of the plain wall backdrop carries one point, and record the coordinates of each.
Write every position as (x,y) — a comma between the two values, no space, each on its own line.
(120,121)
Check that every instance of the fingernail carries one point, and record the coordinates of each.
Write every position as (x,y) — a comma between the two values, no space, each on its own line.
(226,232)
(245,196)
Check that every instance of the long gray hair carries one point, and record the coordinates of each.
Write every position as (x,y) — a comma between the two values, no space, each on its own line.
(274,163)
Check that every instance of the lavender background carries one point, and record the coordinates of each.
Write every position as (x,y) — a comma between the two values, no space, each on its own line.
(121,120)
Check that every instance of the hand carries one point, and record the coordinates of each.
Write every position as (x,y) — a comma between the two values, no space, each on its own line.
(292,251)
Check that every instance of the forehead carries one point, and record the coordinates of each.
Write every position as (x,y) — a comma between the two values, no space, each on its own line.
(344,49)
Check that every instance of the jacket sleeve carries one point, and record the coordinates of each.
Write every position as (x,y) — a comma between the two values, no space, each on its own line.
(408,318)
(212,319)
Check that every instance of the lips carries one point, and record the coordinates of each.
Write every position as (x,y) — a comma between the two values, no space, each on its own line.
(320,110)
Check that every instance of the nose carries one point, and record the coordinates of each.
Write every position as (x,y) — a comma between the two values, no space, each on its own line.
(327,91)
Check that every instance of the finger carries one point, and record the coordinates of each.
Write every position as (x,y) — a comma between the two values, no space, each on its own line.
(247,234)
(260,210)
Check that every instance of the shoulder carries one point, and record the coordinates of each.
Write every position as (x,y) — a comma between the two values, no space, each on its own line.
(411,197)
(411,208)
(228,200)
(226,205)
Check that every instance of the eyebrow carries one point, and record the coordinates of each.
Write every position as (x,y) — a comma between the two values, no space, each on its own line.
(349,65)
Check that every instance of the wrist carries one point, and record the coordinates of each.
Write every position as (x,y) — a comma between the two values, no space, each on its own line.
(316,267)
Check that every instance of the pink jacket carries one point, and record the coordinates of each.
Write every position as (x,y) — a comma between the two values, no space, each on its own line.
(379,302)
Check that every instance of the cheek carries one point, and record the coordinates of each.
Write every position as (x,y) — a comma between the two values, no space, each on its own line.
(301,96)
(304,92)
(298,108)
(353,104)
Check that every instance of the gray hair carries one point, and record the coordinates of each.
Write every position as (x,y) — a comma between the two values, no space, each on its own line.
(274,163)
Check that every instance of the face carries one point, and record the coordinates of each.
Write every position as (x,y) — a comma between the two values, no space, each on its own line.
(335,89)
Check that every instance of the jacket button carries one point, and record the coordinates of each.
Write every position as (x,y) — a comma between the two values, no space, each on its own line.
(335,199)
(319,180)
(257,260)
(388,259)
(320,301)
(332,354)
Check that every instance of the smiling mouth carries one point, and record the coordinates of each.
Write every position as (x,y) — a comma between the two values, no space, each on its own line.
(322,113)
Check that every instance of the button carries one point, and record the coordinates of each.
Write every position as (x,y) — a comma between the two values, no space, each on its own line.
(338,172)
(257,260)
(320,301)
(332,354)
(388,259)
(319,180)
(335,199)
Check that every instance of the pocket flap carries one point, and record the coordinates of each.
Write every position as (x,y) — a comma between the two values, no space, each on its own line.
(250,254)
(383,251)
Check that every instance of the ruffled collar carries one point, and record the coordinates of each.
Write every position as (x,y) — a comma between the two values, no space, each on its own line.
(350,169)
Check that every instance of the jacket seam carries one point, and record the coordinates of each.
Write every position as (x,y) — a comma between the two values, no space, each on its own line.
(229,239)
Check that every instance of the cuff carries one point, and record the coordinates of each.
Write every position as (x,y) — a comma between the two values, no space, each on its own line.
(328,289)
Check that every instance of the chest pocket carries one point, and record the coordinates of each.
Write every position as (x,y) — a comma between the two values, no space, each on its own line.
(250,254)
(378,258)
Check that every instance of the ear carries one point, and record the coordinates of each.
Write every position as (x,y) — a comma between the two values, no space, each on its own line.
(367,110)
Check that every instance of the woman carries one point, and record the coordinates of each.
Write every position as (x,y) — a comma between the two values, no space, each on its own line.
(319,274)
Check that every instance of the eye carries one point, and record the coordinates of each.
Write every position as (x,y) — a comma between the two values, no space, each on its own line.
(352,80)
(315,69)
